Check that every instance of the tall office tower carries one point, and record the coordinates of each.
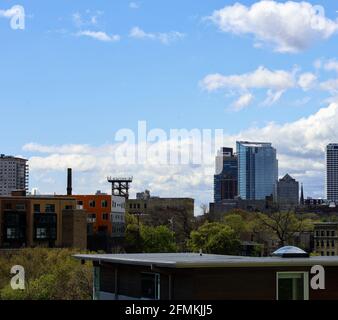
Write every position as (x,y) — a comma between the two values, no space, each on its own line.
(225,179)
(332,172)
(257,170)
(13,174)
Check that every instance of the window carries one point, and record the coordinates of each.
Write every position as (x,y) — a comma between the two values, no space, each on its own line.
(20,206)
(50,208)
(327,233)
(92,203)
(80,203)
(11,233)
(150,286)
(104,204)
(332,244)
(91,218)
(8,206)
(41,233)
(105,216)
(36,208)
(322,233)
(68,207)
(333,233)
(318,244)
(292,286)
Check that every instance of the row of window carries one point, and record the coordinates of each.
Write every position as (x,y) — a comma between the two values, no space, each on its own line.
(92,217)
(328,233)
(92,203)
(137,206)
(328,253)
(328,244)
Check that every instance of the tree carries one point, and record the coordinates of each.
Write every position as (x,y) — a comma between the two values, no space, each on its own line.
(236,222)
(157,239)
(50,274)
(282,224)
(216,238)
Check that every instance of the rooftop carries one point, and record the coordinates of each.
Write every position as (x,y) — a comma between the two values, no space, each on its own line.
(195,260)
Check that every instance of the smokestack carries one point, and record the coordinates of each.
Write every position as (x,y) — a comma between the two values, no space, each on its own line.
(69,182)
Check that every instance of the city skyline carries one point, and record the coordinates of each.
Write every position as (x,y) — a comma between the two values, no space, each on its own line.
(81,81)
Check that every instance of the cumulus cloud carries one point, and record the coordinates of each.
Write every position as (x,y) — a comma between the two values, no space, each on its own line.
(289,27)
(300,145)
(165,38)
(331,65)
(99,35)
(275,82)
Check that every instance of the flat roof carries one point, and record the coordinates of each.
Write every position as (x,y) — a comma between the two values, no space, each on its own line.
(195,260)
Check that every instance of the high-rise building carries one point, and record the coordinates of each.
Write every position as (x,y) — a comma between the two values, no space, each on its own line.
(331,178)
(287,193)
(13,174)
(225,179)
(257,170)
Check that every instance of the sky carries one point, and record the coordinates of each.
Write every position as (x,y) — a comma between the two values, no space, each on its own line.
(80,71)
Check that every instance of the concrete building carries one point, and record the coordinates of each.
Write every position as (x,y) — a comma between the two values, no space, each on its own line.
(176,213)
(257,170)
(13,174)
(46,221)
(331,178)
(118,216)
(326,238)
(225,178)
(287,193)
(190,276)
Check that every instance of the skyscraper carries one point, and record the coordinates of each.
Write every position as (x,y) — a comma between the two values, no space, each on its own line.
(225,179)
(13,174)
(257,170)
(332,172)
(287,192)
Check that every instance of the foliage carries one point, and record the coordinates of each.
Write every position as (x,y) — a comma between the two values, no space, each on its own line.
(50,274)
(158,239)
(148,239)
(216,238)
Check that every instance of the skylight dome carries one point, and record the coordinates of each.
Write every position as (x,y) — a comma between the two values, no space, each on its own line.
(290,252)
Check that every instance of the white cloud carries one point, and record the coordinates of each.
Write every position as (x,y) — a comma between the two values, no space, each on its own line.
(330,85)
(261,78)
(275,82)
(99,35)
(307,81)
(86,19)
(165,38)
(243,101)
(331,65)
(300,145)
(289,27)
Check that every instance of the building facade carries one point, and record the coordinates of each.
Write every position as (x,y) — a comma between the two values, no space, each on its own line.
(13,174)
(331,178)
(188,276)
(176,213)
(287,193)
(326,238)
(118,216)
(225,178)
(41,221)
(257,170)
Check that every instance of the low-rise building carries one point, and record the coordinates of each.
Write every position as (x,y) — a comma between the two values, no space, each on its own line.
(326,238)
(46,221)
(118,216)
(191,276)
(176,213)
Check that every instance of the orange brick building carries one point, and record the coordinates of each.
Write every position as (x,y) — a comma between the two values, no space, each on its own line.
(99,210)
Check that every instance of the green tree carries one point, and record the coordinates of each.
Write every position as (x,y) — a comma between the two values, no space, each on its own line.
(157,239)
(216,238)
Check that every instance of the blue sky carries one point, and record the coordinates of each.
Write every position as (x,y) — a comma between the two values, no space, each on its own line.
(60,86)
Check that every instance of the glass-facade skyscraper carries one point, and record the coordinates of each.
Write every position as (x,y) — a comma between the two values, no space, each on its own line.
(257,170)
(225,179)
(331,178)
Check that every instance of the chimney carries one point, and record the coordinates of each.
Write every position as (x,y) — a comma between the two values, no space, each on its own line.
(69,182)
